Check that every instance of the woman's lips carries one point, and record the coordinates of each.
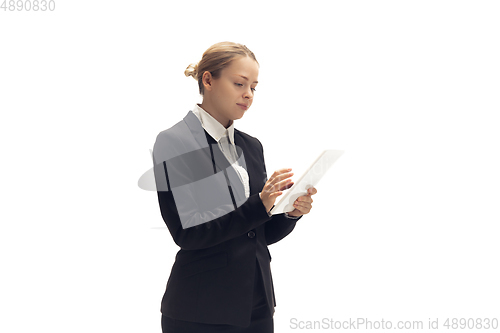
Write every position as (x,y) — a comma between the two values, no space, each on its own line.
(243,106)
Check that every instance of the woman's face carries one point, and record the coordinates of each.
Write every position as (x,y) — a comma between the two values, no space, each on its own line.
(232,93)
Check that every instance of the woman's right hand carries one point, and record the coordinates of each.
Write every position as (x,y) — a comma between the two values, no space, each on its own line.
(279,181)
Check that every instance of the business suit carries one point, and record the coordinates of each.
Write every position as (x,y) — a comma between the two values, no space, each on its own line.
(212,279)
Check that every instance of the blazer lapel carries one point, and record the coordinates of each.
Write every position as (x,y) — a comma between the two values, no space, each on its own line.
(219,159)
(254,163)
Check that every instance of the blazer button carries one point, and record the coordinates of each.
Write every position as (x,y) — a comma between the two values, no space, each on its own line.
(251,234)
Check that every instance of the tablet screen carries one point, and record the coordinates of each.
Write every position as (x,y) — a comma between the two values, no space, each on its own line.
(309,179)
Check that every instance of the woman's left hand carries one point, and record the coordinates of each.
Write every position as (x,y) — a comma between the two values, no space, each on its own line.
(303,204)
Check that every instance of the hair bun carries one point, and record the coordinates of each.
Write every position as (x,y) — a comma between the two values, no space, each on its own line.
(192,70)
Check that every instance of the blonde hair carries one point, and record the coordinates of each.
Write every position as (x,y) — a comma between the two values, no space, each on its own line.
(215,59)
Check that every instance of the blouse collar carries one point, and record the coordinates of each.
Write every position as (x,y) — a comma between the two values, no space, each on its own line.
(212,126)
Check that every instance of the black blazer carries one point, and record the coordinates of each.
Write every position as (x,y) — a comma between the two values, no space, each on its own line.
(212,278)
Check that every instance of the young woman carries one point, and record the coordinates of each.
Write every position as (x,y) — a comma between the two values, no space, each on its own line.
(215,199)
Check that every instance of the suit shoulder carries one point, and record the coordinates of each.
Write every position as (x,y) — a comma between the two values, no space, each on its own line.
(171,142)
(171,132)
(248,138)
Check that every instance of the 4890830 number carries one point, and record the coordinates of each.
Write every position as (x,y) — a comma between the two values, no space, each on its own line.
(28,5)
(471,323)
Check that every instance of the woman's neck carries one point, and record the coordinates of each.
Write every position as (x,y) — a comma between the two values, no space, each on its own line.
(210,108)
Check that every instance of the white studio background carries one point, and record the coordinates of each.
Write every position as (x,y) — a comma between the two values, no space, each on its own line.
(404,226)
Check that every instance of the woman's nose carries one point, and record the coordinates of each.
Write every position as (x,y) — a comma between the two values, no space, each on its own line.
(248,93)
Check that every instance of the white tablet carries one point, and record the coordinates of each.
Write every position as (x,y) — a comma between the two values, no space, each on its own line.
(309,179)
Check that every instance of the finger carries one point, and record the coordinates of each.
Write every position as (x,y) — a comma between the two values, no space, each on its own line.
(304,201)
(305,198)
(284,185)
(303,208)
(280,185)
(312,191)
(280,171)
(281,177)
(275,194)
(272,195)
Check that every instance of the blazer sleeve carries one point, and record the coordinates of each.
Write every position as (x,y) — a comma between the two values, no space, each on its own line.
(246,217)
(280,225)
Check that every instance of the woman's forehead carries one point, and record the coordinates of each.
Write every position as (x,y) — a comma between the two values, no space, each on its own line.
(243,67)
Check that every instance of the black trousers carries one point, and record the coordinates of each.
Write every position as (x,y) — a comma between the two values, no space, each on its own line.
(261,321)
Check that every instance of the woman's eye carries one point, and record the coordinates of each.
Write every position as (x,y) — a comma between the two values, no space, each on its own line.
(241,85)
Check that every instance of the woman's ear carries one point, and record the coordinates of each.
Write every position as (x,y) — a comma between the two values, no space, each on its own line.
(207,80)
